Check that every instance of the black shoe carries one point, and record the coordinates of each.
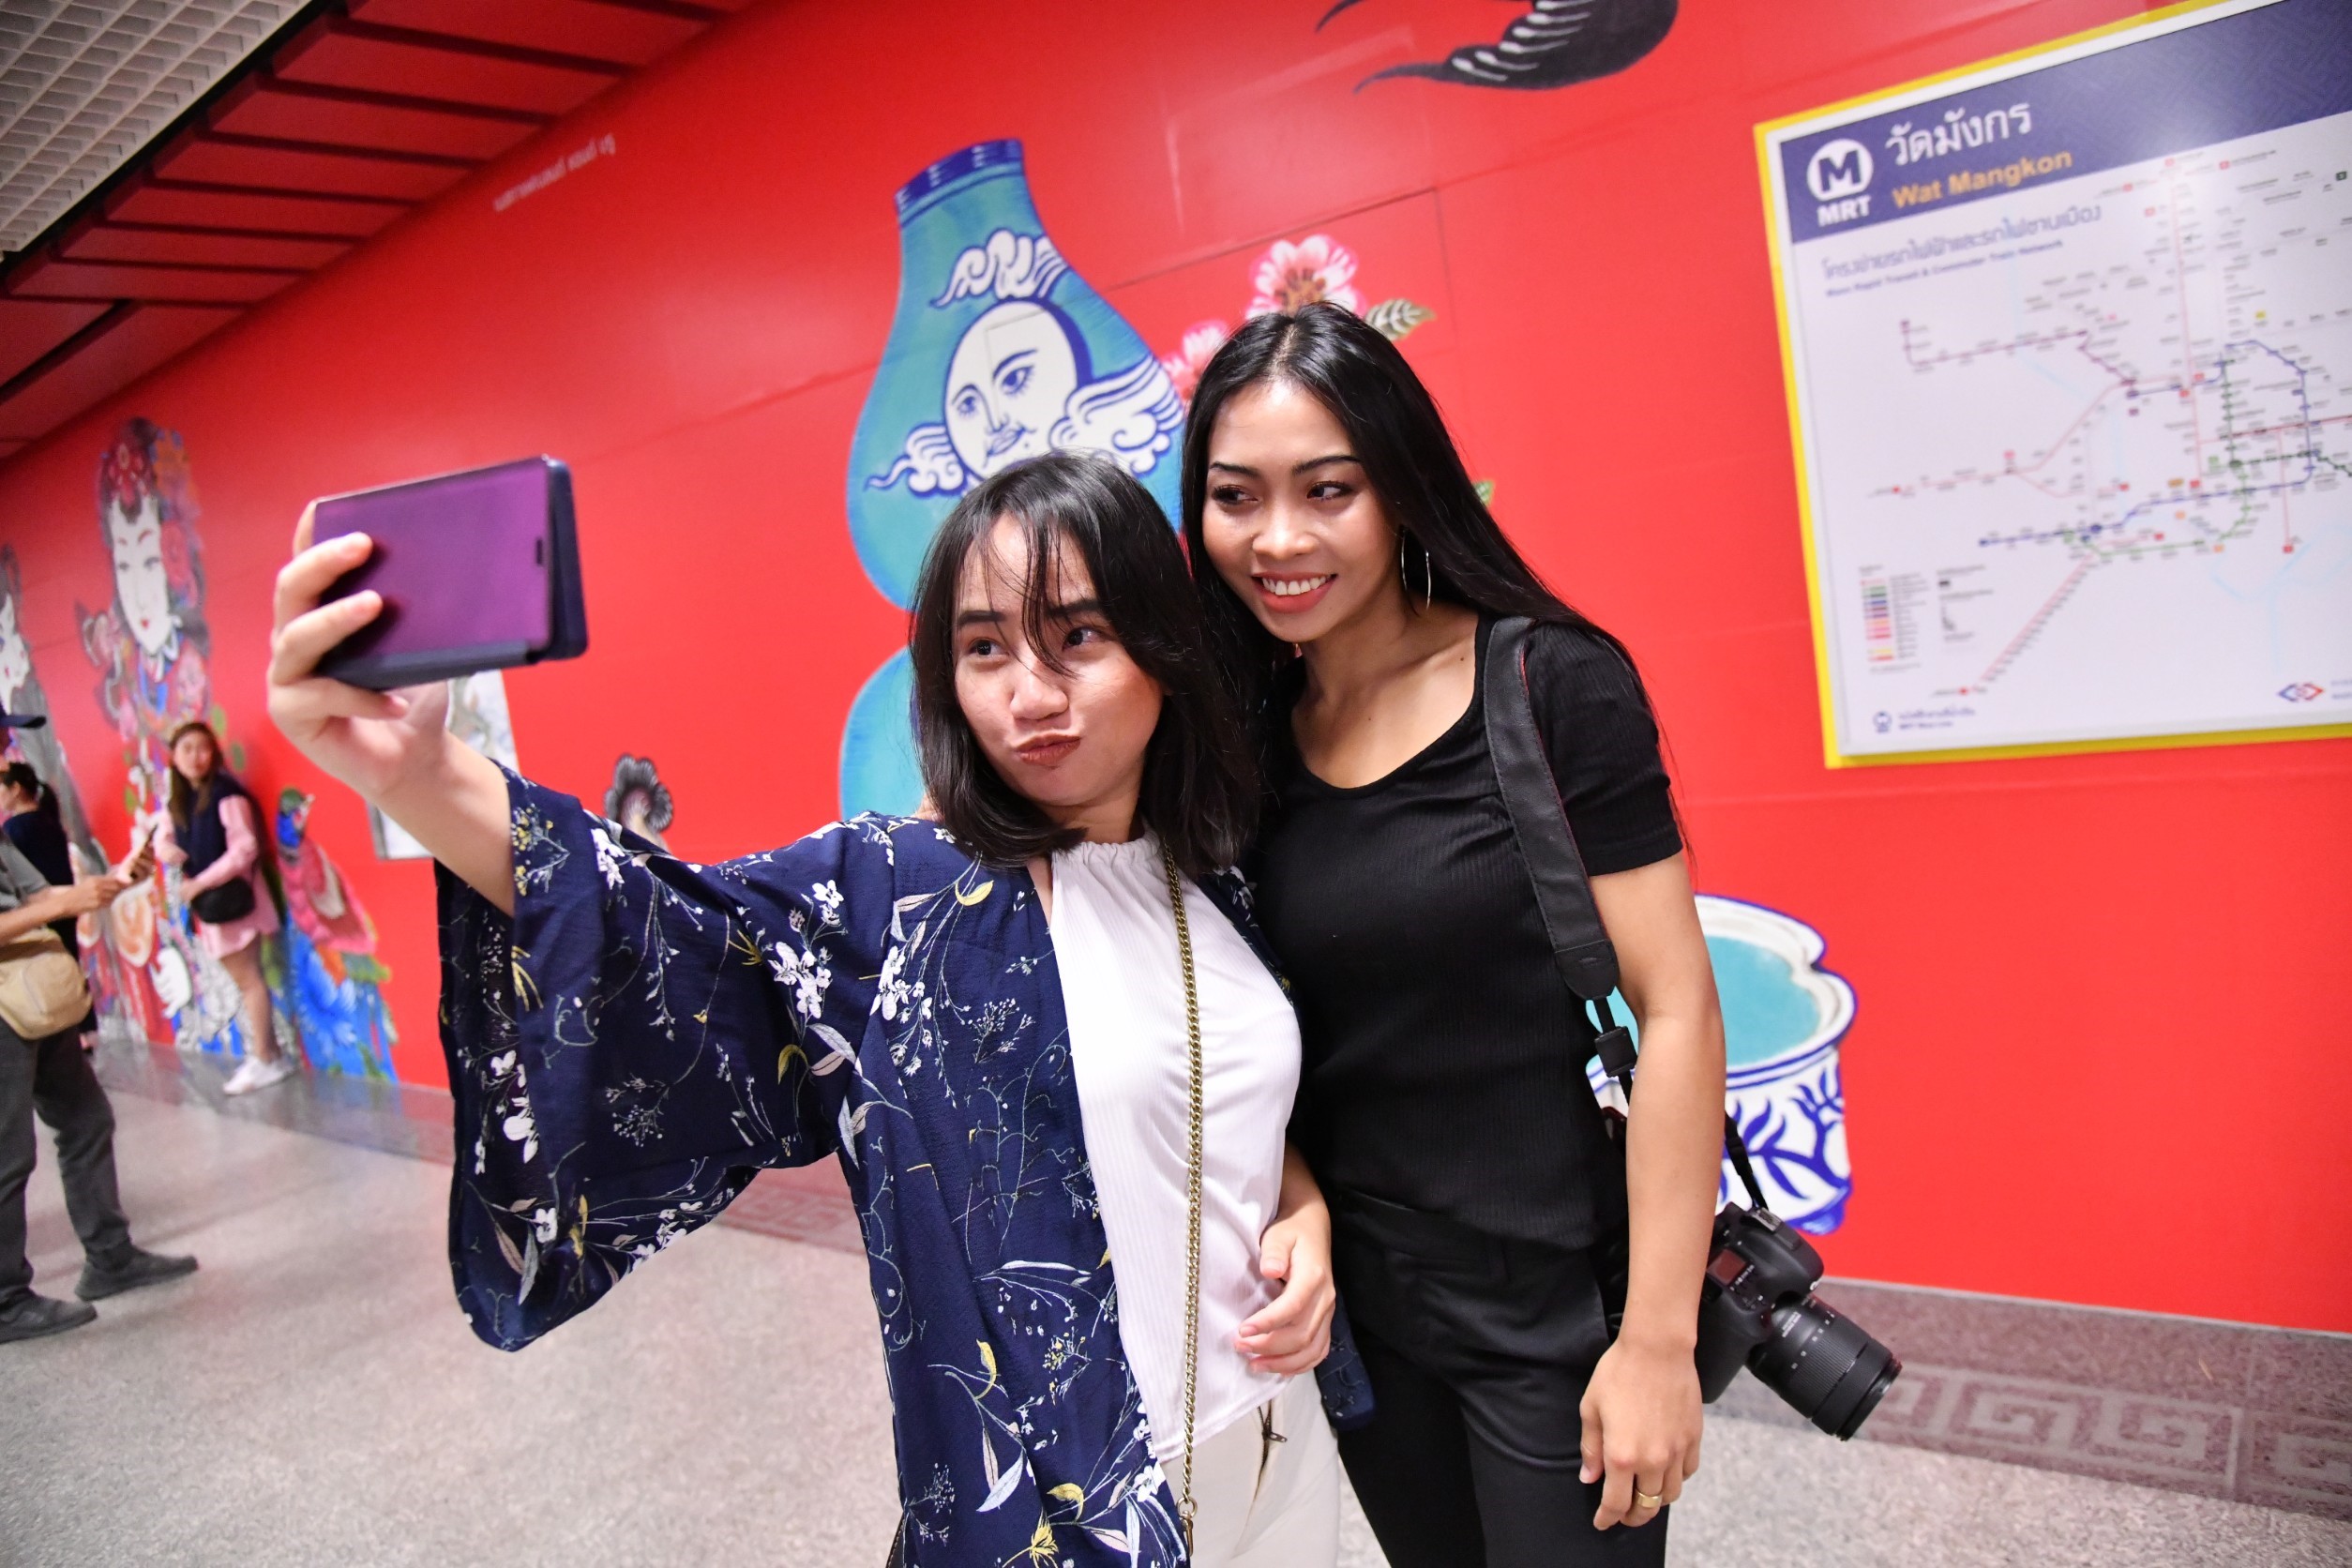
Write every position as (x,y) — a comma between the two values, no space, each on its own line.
(29,1317)
(128,1272)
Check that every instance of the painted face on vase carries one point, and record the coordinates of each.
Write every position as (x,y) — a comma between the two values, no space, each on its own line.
(140,586)
(16,657)
(1008,382)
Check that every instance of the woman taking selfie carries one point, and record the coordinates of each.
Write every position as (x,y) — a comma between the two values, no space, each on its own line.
(214,836)
(1443,1104)
(1037,1032)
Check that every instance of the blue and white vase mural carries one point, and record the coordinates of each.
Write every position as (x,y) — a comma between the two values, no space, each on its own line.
(998,352)
(1783,1019)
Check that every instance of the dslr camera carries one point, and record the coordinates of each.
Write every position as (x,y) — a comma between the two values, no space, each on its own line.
(1757,1310)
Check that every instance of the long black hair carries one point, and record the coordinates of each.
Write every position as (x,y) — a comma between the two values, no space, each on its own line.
(1452,549)
(1200,792)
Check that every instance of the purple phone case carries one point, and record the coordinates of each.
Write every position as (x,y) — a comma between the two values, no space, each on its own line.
(462,562)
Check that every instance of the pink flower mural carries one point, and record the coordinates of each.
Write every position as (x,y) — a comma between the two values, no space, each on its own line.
(1290,276)
(1291,273)
(1183,367)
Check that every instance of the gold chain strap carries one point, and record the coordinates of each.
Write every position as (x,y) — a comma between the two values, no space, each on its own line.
(1192,1187)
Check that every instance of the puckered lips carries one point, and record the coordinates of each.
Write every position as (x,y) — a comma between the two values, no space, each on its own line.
(1046,751)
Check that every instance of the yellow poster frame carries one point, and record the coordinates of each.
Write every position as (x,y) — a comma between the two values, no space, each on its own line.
(1826,690)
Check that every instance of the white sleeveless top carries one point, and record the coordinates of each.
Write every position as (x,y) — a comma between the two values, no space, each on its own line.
(1114,938)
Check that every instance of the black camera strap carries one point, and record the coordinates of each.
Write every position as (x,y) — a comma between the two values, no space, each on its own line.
(1548,846)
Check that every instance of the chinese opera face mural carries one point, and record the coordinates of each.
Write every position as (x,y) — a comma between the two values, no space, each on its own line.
(150,645)
(151,649)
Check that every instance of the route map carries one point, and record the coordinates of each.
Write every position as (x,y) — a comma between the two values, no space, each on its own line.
(2070,352)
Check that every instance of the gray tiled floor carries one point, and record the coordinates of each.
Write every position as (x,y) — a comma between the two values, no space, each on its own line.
(312,1397)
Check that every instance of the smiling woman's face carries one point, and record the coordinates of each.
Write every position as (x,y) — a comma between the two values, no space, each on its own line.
(193,755)
(1069,739)
(1290,520)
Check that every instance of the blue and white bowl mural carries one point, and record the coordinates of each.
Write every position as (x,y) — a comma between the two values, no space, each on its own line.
(998,352)
(1784,1018)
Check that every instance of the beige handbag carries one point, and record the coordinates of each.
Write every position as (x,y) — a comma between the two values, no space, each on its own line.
(42,988)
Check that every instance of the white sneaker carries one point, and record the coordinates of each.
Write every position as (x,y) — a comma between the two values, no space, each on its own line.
(253,1073)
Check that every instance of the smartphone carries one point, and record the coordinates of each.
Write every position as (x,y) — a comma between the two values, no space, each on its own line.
(478,570)
(142,859)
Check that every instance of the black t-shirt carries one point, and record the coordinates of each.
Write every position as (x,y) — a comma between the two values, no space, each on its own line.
(43,843)
(1444,1057)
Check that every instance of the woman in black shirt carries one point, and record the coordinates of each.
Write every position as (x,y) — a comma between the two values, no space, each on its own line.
(34,825)
(1354,575)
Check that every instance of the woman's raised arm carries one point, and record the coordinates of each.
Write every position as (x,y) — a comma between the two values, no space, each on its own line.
(393,747)
(630,1035)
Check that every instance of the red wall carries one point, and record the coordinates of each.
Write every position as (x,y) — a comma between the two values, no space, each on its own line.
(2101,1054)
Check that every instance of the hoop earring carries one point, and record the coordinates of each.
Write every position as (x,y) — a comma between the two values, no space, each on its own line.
(1429,572)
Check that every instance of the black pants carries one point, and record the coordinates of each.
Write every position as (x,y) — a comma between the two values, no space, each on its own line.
(1478,1349)
(52,1078)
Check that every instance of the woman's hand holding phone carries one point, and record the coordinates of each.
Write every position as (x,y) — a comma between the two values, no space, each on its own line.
(141,862)
(394,747)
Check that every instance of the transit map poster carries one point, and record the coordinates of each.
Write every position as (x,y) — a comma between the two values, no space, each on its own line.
(2068,347)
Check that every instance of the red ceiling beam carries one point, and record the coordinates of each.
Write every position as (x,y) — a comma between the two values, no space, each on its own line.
(30,329)
(203,206)
(113,350)
(55,277)
(451,71)
(163,242)
(634,34)
(256,162)
(264,106)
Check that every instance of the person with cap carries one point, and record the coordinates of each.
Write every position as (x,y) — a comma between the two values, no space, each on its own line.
(36,826)
(52,1079)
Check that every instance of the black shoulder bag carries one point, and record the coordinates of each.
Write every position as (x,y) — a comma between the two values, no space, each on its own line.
(1756,1309)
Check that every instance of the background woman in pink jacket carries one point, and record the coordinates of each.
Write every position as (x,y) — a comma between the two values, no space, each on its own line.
(214,837)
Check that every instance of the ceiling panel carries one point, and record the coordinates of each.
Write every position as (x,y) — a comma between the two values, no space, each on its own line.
(306,166)
(127,242)
(165,165)
(289,111)
(608,31)
(30,328)
(84,83)
(331,57)
(54,278)
(228,207)
(143,337)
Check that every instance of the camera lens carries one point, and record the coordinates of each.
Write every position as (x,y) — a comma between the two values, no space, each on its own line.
(1825,1366)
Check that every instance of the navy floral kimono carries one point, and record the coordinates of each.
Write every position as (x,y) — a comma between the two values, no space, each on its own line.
(645,1032)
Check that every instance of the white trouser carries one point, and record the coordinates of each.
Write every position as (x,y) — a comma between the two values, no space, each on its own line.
(1260,1503)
